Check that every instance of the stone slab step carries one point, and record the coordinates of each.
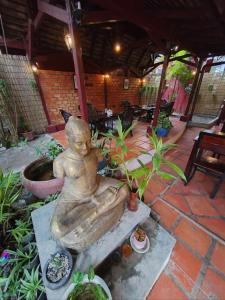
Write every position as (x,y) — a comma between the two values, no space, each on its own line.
(96,253)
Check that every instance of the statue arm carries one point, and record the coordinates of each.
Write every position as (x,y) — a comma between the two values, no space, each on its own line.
(58,169)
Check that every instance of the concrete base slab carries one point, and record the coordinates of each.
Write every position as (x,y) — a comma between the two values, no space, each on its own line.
(96,253)
(135,276)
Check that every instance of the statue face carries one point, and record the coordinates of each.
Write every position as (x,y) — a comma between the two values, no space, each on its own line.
(80,144)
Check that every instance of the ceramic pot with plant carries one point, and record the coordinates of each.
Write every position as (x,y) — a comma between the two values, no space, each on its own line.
(57,270)
(163,125)
(87,286)
(24,130)
(38,176)
(139,238)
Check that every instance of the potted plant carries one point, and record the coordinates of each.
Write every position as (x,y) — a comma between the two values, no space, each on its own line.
(87,286)
(139,178)
(163,124)
(38,176)
(24,130)
(139,238)
(57,270)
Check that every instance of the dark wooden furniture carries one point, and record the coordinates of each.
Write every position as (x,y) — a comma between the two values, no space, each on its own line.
(167,108)
(210,164)
(65,115)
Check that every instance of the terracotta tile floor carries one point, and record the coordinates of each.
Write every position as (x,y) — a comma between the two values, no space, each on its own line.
(196,269)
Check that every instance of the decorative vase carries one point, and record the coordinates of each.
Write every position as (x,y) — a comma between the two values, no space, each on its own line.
(162,132)
(133,202)
(38,178)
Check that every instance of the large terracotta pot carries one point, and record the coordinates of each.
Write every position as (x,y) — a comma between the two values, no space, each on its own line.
(38,178)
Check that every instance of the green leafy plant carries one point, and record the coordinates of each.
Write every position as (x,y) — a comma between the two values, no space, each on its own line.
(10,190)
(13,271)
(179,70)
(144,173)
(51,150)
(22,229)
(22,125)
(8,113)
(93,290)
(163,121)
(31,284)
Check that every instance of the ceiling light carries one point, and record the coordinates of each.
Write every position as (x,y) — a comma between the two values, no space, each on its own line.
(34,68)
(68,41)
(117,47)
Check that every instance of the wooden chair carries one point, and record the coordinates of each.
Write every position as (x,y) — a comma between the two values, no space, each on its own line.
(127,119)
(207,163)
(167,108)
(65,115)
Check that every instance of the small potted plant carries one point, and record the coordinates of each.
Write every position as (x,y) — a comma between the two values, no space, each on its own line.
(58,268)
(24,130)
(139,238)
(87,286)
(163,125)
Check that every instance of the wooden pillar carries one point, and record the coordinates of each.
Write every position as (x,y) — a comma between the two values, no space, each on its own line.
(105,92)
(196,95)
(160,91)
(193,90)
(30,39)
(78,63)
(29,50)
(42,98)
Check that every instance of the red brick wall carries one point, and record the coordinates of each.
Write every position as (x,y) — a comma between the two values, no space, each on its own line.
(59,93)
(117,94)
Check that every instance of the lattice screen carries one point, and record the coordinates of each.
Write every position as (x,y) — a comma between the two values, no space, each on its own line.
(17,73)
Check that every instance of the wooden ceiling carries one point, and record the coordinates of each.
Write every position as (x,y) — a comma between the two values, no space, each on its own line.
(144,28)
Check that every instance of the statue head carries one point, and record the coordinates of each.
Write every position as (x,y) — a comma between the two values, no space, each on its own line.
(78,135)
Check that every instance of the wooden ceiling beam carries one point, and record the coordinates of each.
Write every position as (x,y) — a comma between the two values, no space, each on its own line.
(140,18)
(12,43)
(95,17)
(53,11)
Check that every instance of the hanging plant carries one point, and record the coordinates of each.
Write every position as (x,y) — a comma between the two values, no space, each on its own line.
(210,87)
(179,71)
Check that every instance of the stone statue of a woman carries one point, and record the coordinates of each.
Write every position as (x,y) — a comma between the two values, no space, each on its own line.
(89,204)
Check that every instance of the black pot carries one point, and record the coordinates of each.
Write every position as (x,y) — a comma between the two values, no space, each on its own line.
(63,281)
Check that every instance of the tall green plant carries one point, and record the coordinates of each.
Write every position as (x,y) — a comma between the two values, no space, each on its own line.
(10,190)
(144,173)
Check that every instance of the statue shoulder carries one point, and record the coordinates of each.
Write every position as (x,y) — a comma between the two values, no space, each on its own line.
(58,168)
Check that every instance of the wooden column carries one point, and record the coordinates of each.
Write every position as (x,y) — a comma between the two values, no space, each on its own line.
(196,95)
(105,92)
(193,90)
(160,91)
(78,63)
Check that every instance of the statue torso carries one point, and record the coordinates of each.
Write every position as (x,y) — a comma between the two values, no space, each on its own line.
(80,173)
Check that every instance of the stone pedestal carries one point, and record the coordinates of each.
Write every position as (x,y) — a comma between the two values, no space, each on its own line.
(96,253)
